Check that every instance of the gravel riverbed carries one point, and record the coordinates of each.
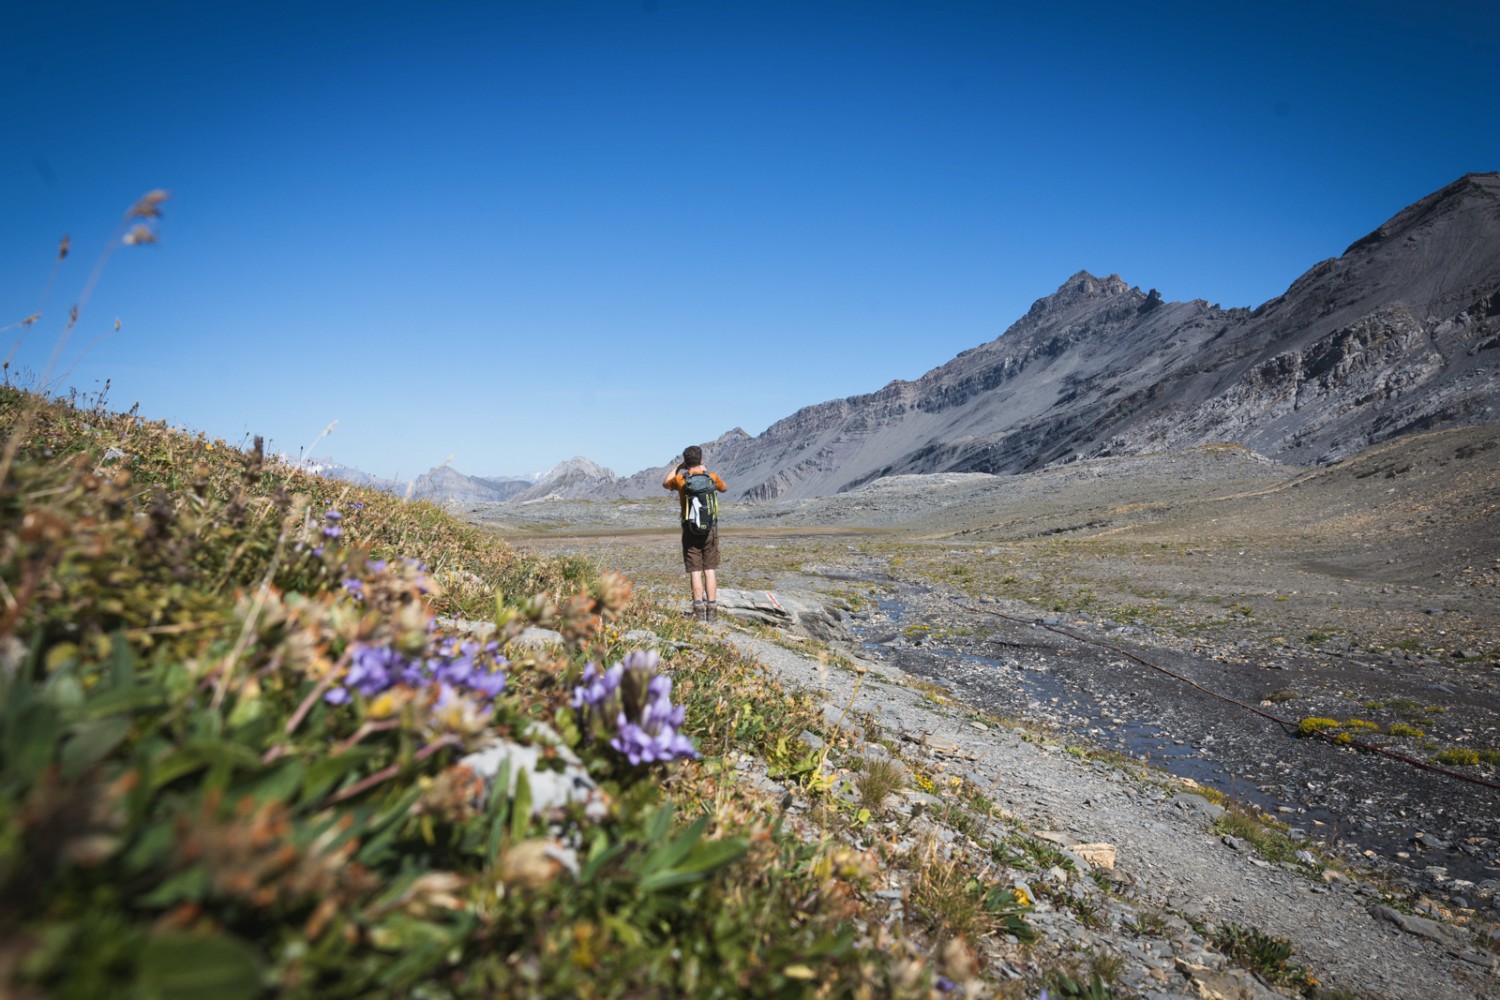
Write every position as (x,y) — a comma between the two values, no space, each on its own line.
(1170,864)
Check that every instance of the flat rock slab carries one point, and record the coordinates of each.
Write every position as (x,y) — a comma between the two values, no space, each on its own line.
(800,611)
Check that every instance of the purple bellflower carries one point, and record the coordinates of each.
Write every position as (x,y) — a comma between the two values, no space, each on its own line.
(629,706)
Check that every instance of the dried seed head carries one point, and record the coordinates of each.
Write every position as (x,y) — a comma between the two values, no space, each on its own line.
(614,591)
(62,247)
(139,233)
(149,206)
(532,864)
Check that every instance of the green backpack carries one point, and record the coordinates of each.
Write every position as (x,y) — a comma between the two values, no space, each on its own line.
(700,514)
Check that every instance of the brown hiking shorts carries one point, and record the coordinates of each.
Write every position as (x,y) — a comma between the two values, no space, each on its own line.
(700,553)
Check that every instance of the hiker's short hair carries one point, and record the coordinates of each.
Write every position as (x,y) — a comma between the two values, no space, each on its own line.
(692,455)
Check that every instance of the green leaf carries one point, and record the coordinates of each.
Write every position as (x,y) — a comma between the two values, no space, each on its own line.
(121,662)
(499,809)
(420,944)
(669,854)
(119,701)
(151,848)
(656,881)
(520,812)
(92,742)
(191,967)
(246,712)
(189,884)
(201,754)
(31,740)
(280,784)
(63,688)
(324,773)
(597,860)
(379,832)
(659,823)
(711,855)
(626,932)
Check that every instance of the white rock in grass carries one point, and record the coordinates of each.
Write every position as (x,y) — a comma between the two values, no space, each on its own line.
(551,788)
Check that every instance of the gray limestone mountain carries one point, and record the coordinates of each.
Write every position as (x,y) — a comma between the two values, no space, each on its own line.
(1399,334)
(577,477)
(447,485)
(1396,335)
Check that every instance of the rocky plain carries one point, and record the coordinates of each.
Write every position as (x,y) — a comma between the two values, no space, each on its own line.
(1118,650)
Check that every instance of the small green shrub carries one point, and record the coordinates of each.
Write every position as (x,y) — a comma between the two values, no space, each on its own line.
(1266,836)
(1315,724)
(1148,923)
(1456,756)
(1263,954)
(1077,985)
(878,777)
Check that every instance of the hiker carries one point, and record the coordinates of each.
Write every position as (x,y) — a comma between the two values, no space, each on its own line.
(697,490)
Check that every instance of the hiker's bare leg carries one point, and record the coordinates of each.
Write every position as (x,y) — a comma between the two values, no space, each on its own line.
(712,583)
(696,579)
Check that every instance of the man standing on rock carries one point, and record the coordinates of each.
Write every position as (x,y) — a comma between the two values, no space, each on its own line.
(697,490)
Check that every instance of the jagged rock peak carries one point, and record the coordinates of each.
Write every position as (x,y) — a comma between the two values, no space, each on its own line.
(1079,287)
(439,473)
(578,467)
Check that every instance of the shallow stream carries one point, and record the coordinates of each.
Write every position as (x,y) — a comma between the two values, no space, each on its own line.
(1103,699)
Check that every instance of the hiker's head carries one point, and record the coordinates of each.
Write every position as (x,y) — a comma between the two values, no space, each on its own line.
(692,455)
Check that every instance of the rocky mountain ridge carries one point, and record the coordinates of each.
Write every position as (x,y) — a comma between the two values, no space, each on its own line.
(1400,333)
(1389,338)
(445,484)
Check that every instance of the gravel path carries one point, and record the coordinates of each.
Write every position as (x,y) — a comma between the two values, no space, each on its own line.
(1167,855)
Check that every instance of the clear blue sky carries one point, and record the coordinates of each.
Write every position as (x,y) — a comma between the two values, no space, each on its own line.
(512,232)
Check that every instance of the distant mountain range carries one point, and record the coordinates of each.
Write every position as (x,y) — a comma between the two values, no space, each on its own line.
(442,484)
(1400,333)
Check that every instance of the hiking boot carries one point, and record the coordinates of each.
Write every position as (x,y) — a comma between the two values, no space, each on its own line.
(711,612)
(700,613)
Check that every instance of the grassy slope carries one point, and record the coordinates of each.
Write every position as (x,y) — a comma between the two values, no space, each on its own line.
(181,810)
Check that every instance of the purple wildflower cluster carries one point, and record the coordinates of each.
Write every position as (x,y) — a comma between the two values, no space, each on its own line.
(405,575)
(457,667)
(631,704)
(356,587)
